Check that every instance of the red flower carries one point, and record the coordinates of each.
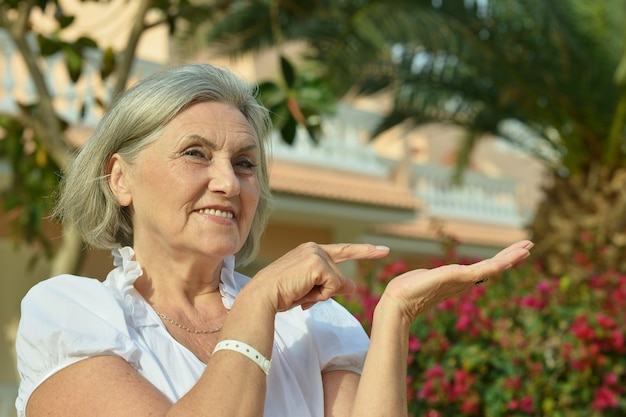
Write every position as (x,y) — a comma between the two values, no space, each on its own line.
(513,405)
(605,321)
(526,405)
(580,258)
(513,383)
(581,329)
(616,340)
(470,406)
(604,398)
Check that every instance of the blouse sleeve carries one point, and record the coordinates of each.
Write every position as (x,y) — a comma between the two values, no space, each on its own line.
(63,320)
(340,339)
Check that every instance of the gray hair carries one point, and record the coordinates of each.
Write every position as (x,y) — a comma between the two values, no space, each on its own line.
(135,119)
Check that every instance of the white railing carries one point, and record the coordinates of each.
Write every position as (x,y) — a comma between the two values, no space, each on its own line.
(75,103)
(8,393)
(343,144)
(477,197)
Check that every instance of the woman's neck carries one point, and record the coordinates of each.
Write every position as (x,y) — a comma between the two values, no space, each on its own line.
(180,281)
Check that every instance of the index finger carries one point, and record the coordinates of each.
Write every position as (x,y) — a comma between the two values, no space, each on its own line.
(341,252)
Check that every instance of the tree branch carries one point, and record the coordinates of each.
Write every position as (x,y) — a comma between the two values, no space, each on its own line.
(139,26)
(48,126)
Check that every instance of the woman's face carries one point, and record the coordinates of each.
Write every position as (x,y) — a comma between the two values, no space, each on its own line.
(195,188)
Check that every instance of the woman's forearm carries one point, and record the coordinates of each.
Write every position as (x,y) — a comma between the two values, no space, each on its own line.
(382,388)
(229,372)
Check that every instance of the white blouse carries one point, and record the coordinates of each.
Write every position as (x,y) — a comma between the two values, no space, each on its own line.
(68,318)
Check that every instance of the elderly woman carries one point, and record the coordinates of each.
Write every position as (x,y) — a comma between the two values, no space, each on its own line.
(174,181)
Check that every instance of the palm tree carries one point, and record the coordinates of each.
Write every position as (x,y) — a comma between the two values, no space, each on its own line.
(542,75)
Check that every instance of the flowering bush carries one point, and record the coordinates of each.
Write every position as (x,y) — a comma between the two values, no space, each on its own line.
(526,344)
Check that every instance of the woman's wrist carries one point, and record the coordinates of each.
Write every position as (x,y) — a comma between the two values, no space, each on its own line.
(258,295)
(392,313)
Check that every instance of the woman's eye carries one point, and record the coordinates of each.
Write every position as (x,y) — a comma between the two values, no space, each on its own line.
(245,165)
(195,152)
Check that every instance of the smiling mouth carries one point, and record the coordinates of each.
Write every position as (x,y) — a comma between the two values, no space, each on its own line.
(218,213)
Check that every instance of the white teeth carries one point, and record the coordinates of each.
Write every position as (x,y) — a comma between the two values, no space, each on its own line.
(220,213)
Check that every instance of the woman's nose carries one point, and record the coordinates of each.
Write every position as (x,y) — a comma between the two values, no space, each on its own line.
(223,178)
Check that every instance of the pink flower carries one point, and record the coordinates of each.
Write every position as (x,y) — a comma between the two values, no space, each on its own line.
(531,301)
(526,405)
(513,405)
(414,344)
(468,307)
(435,371)
(616,340)
(543,286)
(604,398)
(610,379)
(428,392)
(581,329)
(513,383)
(392,270)
(463,382)
(447,305)
(463,322)
(605,321)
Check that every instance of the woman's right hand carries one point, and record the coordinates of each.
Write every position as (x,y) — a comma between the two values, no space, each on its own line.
(309,273)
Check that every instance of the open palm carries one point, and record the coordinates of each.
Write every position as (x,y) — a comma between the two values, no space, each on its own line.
(416,291)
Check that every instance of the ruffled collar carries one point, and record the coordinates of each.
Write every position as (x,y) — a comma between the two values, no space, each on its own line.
(127,270)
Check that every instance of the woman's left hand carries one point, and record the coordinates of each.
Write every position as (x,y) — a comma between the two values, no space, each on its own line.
(417,291)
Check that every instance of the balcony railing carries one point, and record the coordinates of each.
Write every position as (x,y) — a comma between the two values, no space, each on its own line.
(75,103)
(342,146)
(477,198)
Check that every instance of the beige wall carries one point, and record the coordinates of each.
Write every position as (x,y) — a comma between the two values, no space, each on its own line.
(16,277)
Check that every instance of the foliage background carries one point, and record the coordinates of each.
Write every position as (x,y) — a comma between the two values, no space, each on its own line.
(525,344)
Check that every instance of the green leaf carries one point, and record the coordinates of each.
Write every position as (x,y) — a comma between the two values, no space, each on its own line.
(47,46)
(74,63)
(279,114)
(65,20)
(288,131)
(289,74)
(108,63)
(270,94)
(85,42)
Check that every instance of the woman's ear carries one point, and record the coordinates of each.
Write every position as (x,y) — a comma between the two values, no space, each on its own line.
(118,180)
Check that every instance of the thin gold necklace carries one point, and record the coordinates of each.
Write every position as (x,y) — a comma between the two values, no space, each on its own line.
(187,329)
